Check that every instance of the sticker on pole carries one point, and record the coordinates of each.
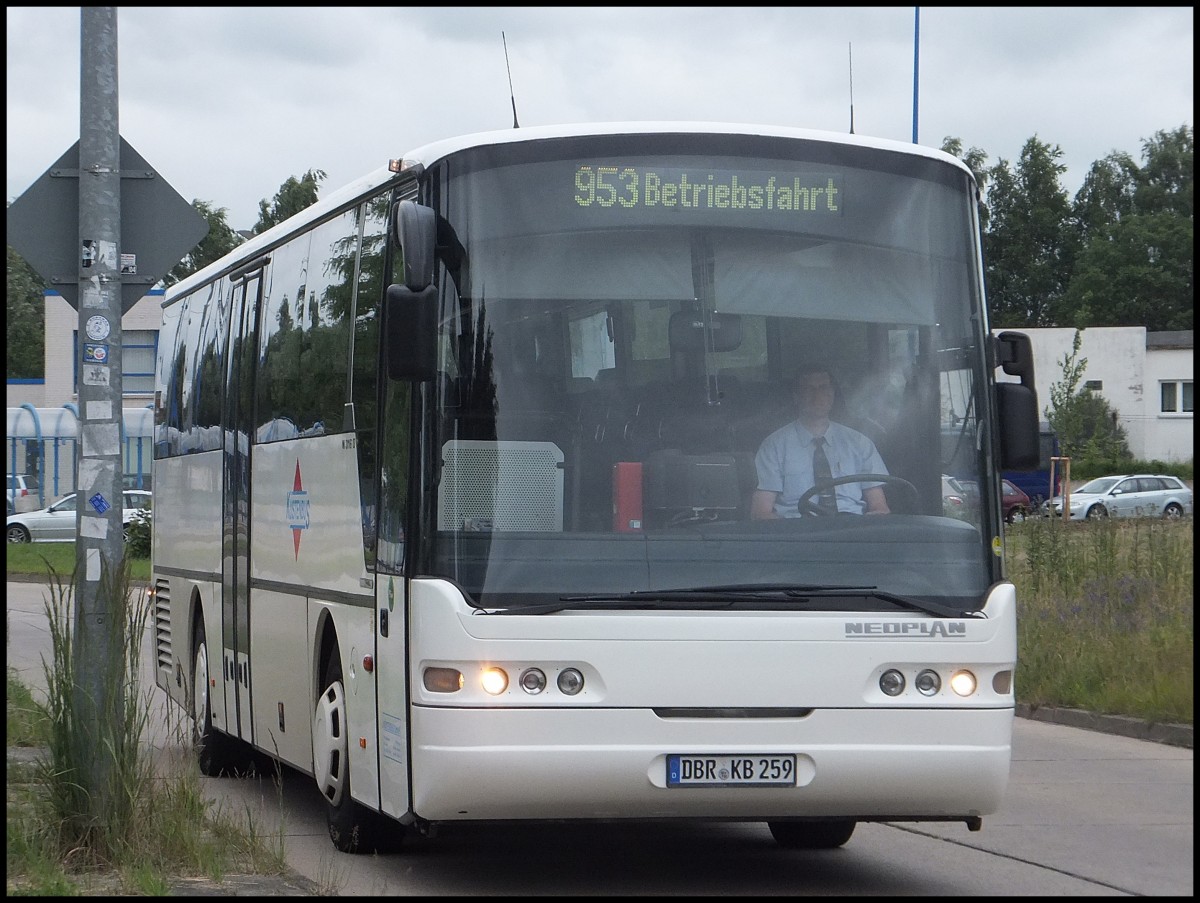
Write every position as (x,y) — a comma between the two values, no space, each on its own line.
(99,502)
(94,354)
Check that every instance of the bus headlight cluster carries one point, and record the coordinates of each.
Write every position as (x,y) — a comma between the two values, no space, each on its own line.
(494,680)
(928,682)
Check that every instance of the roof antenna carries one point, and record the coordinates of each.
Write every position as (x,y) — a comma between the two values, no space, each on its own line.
(850,47)
(510,87)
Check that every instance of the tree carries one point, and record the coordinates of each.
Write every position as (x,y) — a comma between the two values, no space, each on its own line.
(976,161)
(1137,272)
(220,240)
(292,197)
(1028,250)
(1085,423)
(26,312)
(1165,183)
(1135,227)
(1062,413)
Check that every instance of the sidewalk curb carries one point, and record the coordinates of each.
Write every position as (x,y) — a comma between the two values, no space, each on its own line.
(1121,725)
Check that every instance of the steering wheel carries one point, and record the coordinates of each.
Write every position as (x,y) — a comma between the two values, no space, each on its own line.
(806,505)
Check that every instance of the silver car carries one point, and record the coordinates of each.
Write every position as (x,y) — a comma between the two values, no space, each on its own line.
(56,523)
(1131,495)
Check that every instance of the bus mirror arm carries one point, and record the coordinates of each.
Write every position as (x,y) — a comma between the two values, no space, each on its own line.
(1014,352)
(415,228)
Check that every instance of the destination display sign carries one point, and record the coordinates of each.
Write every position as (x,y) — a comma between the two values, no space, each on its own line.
(644,187)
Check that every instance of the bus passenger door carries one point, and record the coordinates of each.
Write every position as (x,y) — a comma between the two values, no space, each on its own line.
(391,681)
(391,599)
(235,537)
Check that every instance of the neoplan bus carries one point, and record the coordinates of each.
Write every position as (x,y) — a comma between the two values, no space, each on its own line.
(453,473)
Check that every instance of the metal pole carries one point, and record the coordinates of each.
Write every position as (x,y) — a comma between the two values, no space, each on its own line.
(100,541)
(916,64)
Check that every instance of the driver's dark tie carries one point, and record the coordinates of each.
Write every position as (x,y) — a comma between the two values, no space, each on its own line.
(826,499)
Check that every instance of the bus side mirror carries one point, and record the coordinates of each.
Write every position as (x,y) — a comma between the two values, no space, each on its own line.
(410,332)
(1016,403)
(1017,407)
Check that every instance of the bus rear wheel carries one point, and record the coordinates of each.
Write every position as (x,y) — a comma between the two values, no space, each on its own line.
(812,835)
(353,827)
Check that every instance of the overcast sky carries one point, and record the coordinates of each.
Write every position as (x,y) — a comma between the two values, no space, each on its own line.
(227,103)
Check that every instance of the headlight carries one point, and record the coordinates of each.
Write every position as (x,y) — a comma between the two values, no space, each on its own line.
(570,681)
(928,683)
(963,683)
(891,682)
(494,681)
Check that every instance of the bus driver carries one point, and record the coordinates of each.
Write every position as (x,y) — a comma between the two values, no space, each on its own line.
(792,459)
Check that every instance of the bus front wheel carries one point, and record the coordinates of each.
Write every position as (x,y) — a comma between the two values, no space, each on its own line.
(353,827)
(812,835)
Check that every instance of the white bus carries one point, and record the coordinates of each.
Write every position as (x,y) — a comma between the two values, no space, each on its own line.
(453,475)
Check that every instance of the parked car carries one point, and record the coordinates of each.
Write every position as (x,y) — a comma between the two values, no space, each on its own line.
(1127,495)
(56,523)
(955,499)
(22,491)
(1015,502)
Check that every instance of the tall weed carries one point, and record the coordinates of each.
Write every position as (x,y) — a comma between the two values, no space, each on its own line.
(97,772)
(1105,621)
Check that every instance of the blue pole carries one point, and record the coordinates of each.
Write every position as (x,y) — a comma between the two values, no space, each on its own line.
(916,64)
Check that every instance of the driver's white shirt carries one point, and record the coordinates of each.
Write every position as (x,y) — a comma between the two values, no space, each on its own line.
(784,464)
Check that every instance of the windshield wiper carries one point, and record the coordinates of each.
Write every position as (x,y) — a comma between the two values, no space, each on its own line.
(713,597)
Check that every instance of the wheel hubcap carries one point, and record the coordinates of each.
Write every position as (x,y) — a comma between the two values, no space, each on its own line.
(200,689)
(329,743)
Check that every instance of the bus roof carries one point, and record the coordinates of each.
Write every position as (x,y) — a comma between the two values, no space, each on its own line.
(428,154)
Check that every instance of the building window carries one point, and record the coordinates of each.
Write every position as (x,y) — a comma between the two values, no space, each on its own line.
(139,348)
(1176,396)
(1094,385)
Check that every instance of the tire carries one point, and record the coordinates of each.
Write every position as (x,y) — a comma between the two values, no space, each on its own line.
(217,753)
(17,533)
(1097,511)
(1016,516)
(353,827)
(812,835)
(1172,511)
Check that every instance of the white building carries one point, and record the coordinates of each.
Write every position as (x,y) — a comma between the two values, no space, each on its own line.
(1146,377)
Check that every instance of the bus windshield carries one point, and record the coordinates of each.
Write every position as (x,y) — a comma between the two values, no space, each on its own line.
(619,333)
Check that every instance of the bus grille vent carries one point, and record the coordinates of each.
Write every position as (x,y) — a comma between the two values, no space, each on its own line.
(162,624)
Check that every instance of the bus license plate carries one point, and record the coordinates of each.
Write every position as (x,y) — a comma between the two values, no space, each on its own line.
(731,771)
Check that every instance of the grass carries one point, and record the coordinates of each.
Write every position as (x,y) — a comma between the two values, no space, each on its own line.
(36,559)
(1105,620)
(90,810)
